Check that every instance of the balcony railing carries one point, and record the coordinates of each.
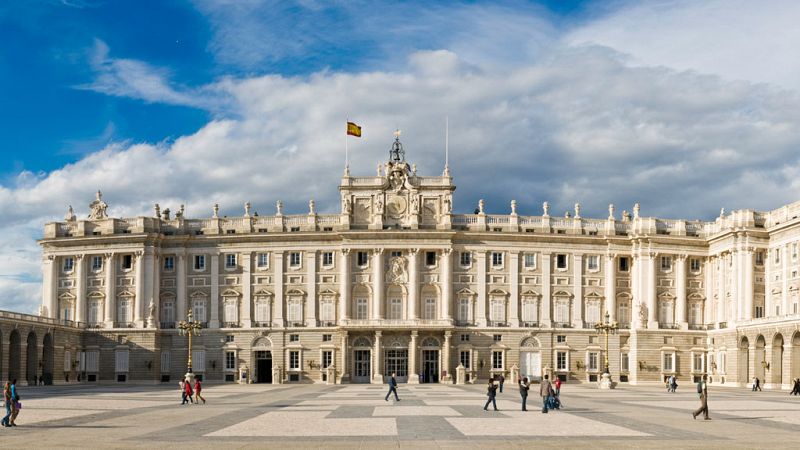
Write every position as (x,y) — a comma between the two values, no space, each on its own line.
(590,325)
(464,323)
(723,325)
(231,325)
(694,326)
(327,323)
(498,323)
(625,326)
(262,324)
(529,324)
(296,324)
(167,325)
(123,324)
(562,325)
(668,326)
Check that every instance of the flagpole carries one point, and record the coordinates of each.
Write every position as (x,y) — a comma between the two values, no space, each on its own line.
(346,150)
(446,146)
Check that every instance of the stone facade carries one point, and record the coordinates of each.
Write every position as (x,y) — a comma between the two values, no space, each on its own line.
(397,282)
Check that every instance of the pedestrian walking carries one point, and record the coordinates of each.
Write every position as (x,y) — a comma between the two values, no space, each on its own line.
(197,388)
(673,383)
(754,384)
(702,391)
(502,380)
(392,388)
(15,404)
(545,390)
(189,391)
(795,387)
(491,392)
(182,389)
(557,384)
(7,400)
(524,385)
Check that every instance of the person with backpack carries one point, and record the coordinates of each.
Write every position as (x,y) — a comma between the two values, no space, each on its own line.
(491,392)
(545,390)
(702,391)
(524,385)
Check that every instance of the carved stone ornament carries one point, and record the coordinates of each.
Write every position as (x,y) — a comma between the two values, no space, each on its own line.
(98,207)
(642,313)
(70,216)
(396,206)
(397,272)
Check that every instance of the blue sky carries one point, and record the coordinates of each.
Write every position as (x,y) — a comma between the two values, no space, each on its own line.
(683,106)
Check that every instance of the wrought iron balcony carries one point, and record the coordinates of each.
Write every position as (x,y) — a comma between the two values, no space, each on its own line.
(529,324)
(668,326)
(562,325)
(262,324)
(327,323)
(296,324)
(123,324)
(231,325)
(695,326)
(498,323)
(464,323)
(167,325)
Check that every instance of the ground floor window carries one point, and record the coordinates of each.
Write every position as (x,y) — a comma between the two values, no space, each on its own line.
(561,361)
(697,362)
(592,361)
(465,357)
(497,360)
(668,362)
(230,360)
(327,359)
(165,357)
(396,361)
(294,360)
(624,363)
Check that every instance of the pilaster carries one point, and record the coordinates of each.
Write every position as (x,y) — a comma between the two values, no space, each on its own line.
(546,319)
(609,288)
(447,283)
(80,287)
(214,307)
(110,306)
(680,289)
(138,304)
(413,284)
(344,285)
(480,307)
(278,282)
(311,288)
(652,313)
(513,276)
(413,371)
(377,366)
(377,284)
(577,286)
(247,289)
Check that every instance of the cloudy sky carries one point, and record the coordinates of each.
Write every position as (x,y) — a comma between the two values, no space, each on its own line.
(683,106)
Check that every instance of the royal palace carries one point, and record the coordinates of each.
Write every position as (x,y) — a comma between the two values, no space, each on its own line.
(398,282)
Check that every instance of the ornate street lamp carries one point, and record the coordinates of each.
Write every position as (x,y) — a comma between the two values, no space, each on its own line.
(606,327)
(189,328)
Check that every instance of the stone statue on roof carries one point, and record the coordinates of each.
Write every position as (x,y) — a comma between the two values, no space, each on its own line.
(98,207)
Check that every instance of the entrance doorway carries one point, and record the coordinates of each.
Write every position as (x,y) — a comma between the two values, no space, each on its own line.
(362,367)
(396,362)
(530,365)
(430,366)
(263,367)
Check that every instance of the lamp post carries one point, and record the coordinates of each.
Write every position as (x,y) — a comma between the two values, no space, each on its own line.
(606,327)
(189,328)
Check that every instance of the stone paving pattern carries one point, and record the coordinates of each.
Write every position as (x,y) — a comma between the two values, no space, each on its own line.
(428,416)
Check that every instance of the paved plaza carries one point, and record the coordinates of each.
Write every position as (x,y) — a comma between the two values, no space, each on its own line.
(428,416)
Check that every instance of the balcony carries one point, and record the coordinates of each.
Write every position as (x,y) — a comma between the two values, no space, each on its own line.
(464,323)
(295,324)
(668,326)
(590,325)
(723,325)
(123,324)
(625,326)
(167,325)
(697,327)
(327,323)
(529,324)
(562,325)
(262,324)
(231,325)
(498,323)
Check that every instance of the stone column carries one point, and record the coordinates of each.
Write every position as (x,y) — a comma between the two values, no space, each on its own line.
(708,270)
(785,280)
(345,373)
(155,291)
(80,287)
(513,275)
(413,284)
(413,375)
(446,356)
(180,307)
(546,318)
(769,308)
(278,282)
(721,303)
(577,303)
(652,313)
(344,285)
(110,306)
(748,283)
(377,368)
(447,284)
(246,320)
(680,288)
(139,300)
(480,307)
(214,307)
(610,288)
(49,283)
(311,288)
(636,287)
(150,261)
(377,284)
(735,273)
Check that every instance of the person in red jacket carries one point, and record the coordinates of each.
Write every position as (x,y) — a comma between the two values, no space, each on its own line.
(197,388)
(558,386)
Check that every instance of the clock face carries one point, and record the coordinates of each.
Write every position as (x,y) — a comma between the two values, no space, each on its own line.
(396,207)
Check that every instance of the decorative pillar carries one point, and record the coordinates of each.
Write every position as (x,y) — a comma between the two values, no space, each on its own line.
(721,294)
(344,286)
(447,284)
(155,292)
(513,275)
(652,314)
(680,288)
(344,370)
(609,288)
(278,282)
(111,303)
(377,370)
(447,377)
(139,299)
(577,287)
(413,375)
(214,307)
(80,287)
(377,284)
(748,283)
(311,288)
(636,287)
(247,289)
(785,280)
(708,270)
(180,307)
(413,284)
(480,307)
(49,283)
(546,318)
(769,309)
(735,274)
(150,268)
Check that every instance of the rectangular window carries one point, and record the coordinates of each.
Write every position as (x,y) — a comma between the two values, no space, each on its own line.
(430,259)
(624,264)
(295,311)
(92,360)
(694,265)
(561,261)
(465,259)
(262,311)
(465,358)
(697,362)
(361,309)
(294,338)
(362,259)
(199,262)
(294,360)
(262,260)
(165,361)
(230,261)
(497,259)
(497,337)
(624,362)
(326,313)
(169,263)
(593,263)
(327,359)
(327,259)
(395,254)
(777,252)
(395,309)
(97,263)
(429,313)
(561,361)
(231,312)
(464,338)
(198,361)
(666,263)
(121,361)
(230,338)
(668,362)
(592,361)
(759,312)
(327,337)
(530,312)
(230,360)
(530,260)
(497,360)
(561,338)
(199,309)
(463,309)
(127,262)
(498,311)
(759,258)
(294,259)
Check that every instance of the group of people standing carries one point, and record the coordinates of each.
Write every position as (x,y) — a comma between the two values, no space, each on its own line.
(11,400)
(672,383)
(189,394)
(549,392)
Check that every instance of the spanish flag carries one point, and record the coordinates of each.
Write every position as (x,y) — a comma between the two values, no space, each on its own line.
(353,129)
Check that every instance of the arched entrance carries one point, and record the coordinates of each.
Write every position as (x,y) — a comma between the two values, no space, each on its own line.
(32,366)
(362,356)
(430,360)
(760,358)
(48,359)
(530,359)
(744,361)
(262,360)
(14,355)
(796,355)
(776,365)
